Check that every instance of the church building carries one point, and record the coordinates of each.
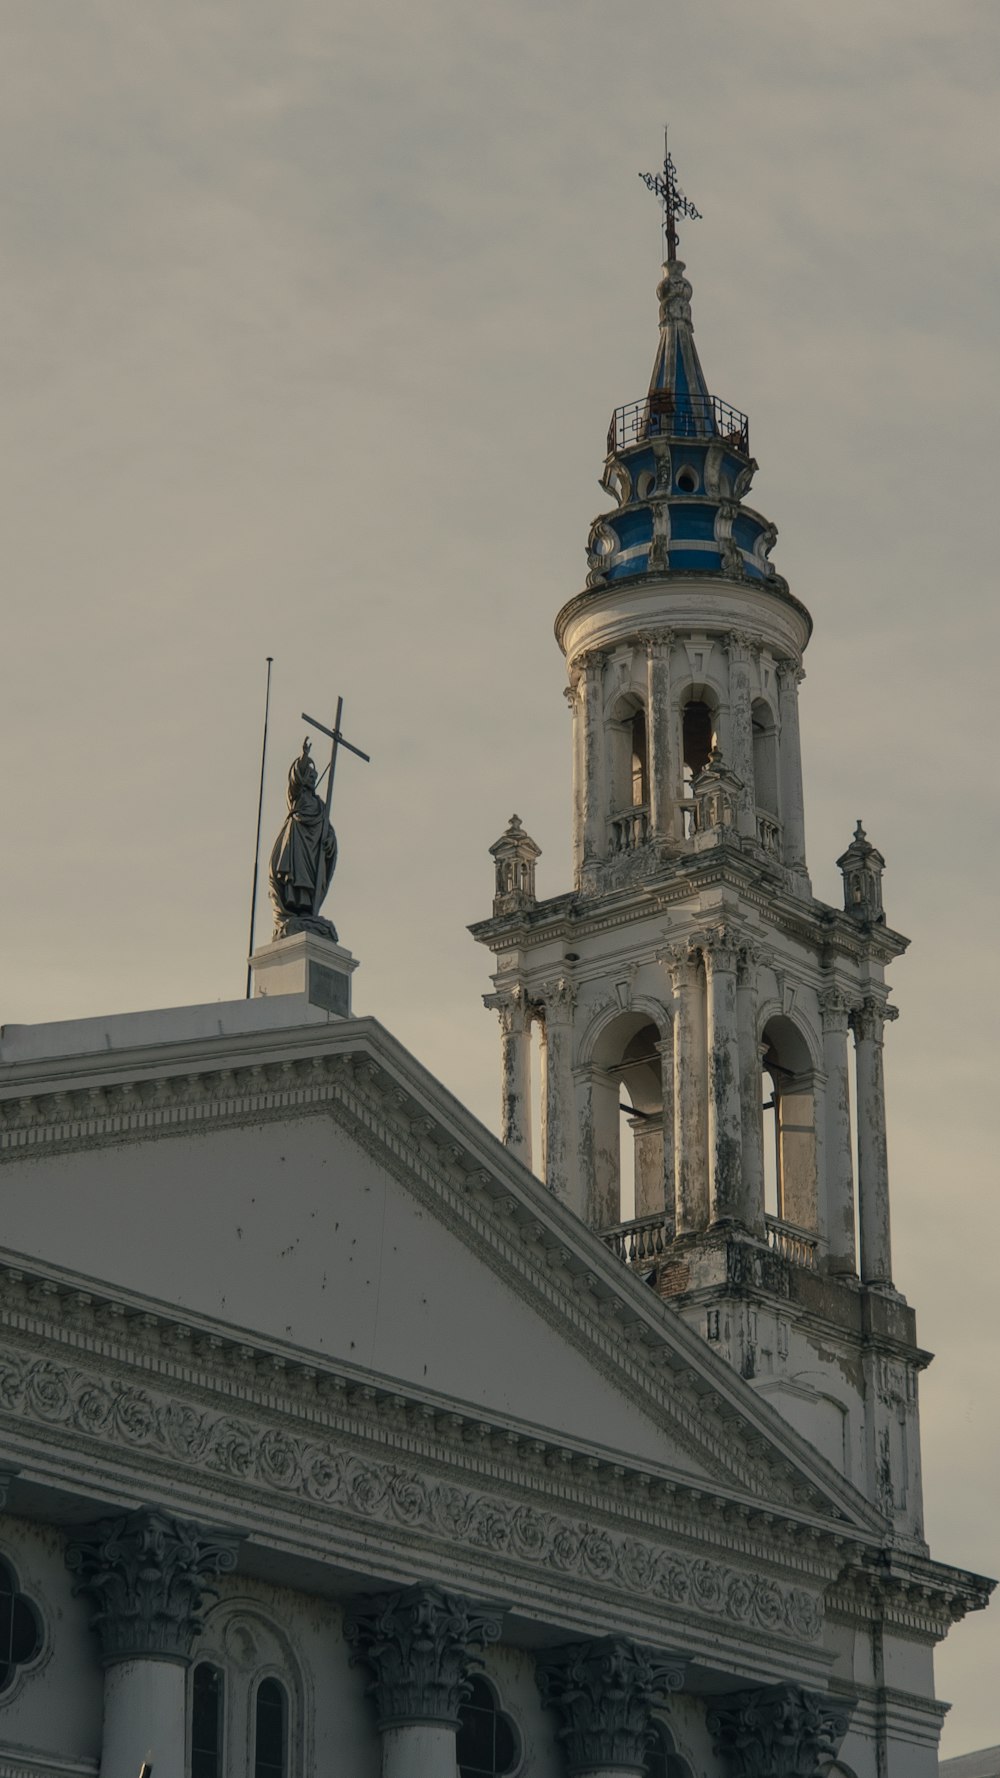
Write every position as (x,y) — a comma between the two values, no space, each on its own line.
(341,1439)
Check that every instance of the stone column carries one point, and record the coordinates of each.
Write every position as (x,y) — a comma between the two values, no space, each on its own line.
(603,1693)
(560,1097)
(515,1069)
(662,794)
(665,1050)
(873,1159)
(573,694)
(778,1731)
(838,1146)
(793,827)
(690,1091)
(147,1576)
(593,810)
(418,1644)
(740,750)
(725,1112)
(747,966)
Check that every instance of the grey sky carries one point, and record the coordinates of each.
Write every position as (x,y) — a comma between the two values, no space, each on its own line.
(314,316)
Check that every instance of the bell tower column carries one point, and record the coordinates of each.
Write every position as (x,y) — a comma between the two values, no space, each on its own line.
(559,1092)
(690,1090)
(658,718)
(741,732)
(873,1159)
(752,1193)
(725,1114)
(838,1158)
(591,813)
(790,675)
(514,1011)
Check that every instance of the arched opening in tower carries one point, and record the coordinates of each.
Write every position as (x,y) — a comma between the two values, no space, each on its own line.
(789,1111)
(629,1157)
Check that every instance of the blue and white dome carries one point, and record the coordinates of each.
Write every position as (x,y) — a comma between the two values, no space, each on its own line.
(679,465)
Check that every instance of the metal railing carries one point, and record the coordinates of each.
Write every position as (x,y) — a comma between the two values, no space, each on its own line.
(679,416)
(630,830)
(791,1243)
(639,1241)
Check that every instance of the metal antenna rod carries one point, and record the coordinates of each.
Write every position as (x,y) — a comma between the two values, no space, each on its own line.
(260,812)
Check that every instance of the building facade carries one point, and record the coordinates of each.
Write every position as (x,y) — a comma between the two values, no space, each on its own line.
(337,1440)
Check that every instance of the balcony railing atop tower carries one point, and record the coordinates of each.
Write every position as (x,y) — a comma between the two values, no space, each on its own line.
(666,415)
(647,1238)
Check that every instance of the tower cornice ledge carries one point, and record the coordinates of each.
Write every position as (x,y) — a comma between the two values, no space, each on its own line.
(683,878)
(711,603)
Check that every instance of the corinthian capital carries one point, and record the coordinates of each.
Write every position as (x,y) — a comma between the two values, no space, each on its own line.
(419,1643)
(868,1019)
(720,945)
(604,1691)
(779,1731)
(147,1576)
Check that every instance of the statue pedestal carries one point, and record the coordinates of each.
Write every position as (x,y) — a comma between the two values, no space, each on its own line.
(308,965)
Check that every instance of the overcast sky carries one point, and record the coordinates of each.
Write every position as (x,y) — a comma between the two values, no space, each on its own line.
(313,315)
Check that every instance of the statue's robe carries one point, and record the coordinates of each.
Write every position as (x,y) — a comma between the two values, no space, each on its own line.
(303,857)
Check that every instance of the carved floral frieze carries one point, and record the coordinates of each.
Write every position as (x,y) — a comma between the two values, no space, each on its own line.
(267,1456)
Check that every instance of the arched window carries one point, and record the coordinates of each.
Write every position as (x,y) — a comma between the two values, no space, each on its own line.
(698,739)
(790,1161)
(487,1744)
(765,761)
(640,761)
(270,1744)
(661,1760)
(20,1628)
(207,1694)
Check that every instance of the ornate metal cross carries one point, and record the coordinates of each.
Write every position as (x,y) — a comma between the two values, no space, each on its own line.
(338,740)
(672,198)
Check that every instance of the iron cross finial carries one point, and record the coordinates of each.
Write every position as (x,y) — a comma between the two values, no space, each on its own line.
(675,204)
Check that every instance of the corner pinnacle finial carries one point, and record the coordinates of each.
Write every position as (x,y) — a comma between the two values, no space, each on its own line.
(674,203)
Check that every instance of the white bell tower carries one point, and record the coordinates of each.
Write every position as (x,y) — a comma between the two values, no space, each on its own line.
(710,1033)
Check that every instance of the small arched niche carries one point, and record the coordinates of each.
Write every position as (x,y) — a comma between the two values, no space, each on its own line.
(789,1102)
(627,1090)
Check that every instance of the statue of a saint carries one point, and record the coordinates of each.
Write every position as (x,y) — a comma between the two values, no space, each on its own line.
(304,856)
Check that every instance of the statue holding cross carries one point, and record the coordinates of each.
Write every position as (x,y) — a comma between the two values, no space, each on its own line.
(304,856)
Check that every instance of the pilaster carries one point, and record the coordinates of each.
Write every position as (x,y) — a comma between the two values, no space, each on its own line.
(748,962)
(603,1693)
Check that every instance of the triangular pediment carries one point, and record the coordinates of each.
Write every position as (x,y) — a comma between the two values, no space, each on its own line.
(321,1191)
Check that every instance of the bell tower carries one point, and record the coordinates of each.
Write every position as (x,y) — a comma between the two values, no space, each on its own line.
(710,1034)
